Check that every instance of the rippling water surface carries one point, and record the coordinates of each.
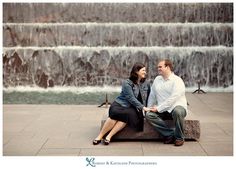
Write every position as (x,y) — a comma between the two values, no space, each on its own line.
(72,95)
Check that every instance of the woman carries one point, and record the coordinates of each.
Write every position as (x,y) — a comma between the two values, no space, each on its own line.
(128,107)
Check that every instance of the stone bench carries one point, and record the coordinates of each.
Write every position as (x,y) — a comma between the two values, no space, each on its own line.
(191,131)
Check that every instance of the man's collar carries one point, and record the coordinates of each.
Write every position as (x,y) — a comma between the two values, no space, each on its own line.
(171,76)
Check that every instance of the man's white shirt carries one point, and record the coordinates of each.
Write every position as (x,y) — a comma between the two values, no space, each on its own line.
(167,94)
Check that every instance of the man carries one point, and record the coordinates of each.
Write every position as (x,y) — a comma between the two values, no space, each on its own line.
(167,101)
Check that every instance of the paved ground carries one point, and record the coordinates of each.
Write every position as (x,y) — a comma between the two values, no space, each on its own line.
(68,130)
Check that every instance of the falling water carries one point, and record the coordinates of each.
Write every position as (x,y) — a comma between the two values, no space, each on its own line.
(117,34)
(91,66)
(67,45)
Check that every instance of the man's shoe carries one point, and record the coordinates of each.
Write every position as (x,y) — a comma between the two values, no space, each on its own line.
(179,142)
(169,140)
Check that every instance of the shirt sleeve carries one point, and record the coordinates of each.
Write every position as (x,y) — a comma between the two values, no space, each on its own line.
(152,97)
(129,95)
(177,91)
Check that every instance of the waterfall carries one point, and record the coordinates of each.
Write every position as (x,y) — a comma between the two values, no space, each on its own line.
(118,34)
(68,45)
(91,66)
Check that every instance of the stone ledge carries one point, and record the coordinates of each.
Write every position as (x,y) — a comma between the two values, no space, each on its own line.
(191,130)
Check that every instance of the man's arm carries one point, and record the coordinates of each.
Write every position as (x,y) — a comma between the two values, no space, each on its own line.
(152,101)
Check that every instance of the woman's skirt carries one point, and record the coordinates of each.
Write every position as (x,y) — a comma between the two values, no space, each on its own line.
(129,115)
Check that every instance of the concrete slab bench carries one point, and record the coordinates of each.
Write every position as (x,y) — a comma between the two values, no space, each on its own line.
(191,131)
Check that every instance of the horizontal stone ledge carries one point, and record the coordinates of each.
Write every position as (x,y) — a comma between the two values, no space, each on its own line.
(119,24)
(191,131)
(119,48)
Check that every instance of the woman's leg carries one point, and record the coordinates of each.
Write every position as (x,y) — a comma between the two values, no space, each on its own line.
(108,125)
(118,126)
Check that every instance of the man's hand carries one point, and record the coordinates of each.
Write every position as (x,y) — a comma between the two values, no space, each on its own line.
(153,109)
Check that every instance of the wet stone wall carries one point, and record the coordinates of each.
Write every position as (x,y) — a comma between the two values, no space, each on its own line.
(77,44)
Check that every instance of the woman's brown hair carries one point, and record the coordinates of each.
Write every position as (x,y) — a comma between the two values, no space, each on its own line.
(133,74)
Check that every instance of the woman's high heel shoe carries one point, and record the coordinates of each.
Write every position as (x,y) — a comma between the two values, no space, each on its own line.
(106,142)
(96,142)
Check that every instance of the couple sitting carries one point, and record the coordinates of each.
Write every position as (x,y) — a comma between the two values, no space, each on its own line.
(165,99)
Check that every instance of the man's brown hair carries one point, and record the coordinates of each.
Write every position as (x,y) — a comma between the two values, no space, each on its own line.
(169,63)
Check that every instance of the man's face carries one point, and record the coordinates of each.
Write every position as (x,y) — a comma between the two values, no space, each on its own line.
(162,69)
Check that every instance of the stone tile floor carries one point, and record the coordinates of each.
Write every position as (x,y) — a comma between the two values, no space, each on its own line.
(68,130)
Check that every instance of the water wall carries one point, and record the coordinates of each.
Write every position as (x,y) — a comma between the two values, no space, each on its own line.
(96,44)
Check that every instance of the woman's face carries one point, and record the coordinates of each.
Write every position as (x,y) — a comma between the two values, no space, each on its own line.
(142,73)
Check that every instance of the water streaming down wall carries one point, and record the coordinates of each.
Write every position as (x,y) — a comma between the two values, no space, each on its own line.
(97,44)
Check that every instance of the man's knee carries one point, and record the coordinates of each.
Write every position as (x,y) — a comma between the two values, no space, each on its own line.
(150,116)
(179,112)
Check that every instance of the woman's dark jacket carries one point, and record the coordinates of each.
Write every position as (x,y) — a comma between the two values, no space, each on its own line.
(129,96)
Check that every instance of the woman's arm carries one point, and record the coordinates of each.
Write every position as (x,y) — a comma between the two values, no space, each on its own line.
(127,89)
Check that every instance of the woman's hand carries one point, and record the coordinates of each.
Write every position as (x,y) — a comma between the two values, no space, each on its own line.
(151,109)
(146,109)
